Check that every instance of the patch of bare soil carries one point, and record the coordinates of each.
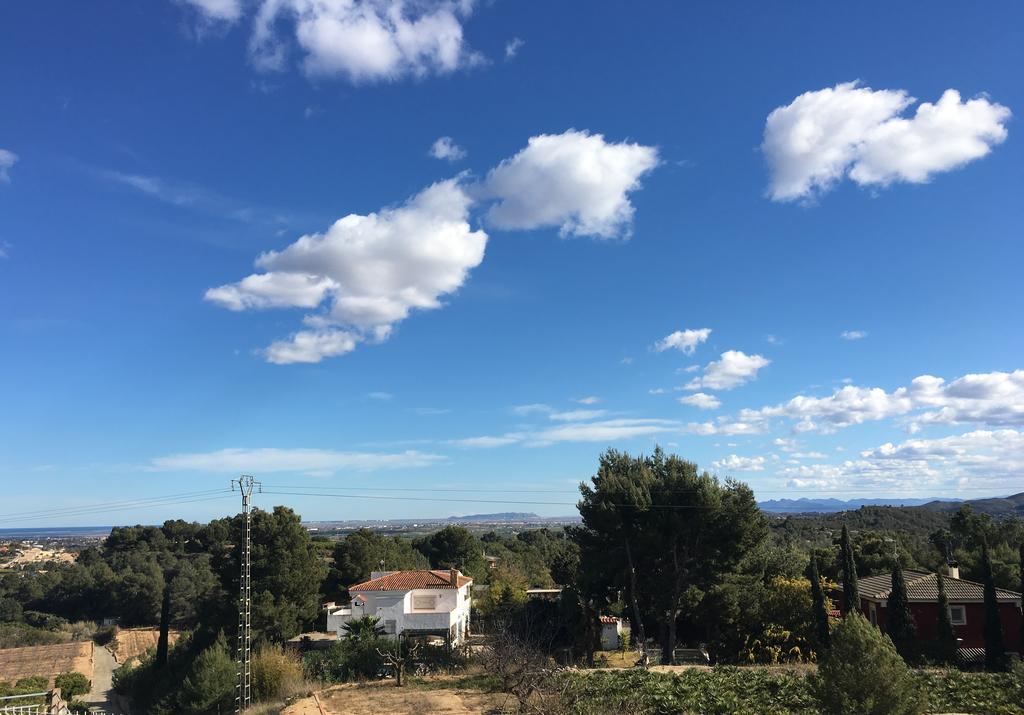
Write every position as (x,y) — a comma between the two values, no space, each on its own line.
(46,660)
(384,697)
(134,642)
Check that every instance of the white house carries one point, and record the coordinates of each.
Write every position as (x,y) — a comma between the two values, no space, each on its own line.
(413,603)
(611,632)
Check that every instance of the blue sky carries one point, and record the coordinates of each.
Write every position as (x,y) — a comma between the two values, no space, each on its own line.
(622,195)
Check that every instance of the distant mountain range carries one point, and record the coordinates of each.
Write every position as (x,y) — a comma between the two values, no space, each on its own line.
(996,506)
(831,506)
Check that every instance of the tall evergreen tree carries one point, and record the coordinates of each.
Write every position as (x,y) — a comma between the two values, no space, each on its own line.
(821,628)
(851,597)
(899,622)
(995,650)
(944,627)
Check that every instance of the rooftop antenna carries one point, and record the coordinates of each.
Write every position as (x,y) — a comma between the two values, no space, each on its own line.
(245,484)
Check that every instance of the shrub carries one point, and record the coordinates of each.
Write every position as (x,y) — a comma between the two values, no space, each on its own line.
(72,684)
(863,673)
(46,621)
(276,673)
(104,635)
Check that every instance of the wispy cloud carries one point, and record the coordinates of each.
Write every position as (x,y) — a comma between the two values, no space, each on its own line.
(7,159)
(853,334)
(269,459)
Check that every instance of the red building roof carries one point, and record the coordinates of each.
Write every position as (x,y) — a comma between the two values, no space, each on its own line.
(408,580)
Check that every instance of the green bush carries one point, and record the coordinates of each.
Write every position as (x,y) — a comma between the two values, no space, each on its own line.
(48,621)
(104,635)
(276,673)
(863,673)
(19,635)
(72,684)
(348,659)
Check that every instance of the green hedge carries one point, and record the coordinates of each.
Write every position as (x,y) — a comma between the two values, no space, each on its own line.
(753,691)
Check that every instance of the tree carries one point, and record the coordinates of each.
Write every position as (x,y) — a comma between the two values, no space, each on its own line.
(899,622)
(72,684)
(944,627)
(210,683)
(364,629)
(398,657)
(862,674)
(995,650)
(453,547)
(848,565)
(364,551)
(820,615)
(1021,587)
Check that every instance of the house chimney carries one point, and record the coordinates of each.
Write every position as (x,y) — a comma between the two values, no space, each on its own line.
(453,577)
(952,569)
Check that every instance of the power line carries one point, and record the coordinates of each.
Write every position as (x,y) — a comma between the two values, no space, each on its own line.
(128,502)
(100,510)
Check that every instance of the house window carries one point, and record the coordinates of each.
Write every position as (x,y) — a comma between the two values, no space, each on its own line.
(424,603)
(957,615)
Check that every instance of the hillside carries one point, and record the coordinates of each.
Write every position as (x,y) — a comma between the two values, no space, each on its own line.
(1012,505)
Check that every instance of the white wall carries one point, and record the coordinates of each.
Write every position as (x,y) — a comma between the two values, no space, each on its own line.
(452,608)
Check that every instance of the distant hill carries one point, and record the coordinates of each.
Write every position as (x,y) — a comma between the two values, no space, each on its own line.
(502,516)
(996,506)
(832,506)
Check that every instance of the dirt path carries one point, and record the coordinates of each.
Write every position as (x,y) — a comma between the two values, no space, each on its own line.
(103,666)
(386,698)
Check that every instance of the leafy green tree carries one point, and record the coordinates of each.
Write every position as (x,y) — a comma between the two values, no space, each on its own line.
(821,625)
(944,627)
(851,598)
(210,683)
(862,674)
(454,547)
(995,650)
(364,551)
(899,622)
(10,610)
(365,628)
(72,684)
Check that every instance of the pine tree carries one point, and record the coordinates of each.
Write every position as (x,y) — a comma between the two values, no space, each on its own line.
(995,650)
(899,622)
(944,627)
(210,684)
(851,598)
(821,627)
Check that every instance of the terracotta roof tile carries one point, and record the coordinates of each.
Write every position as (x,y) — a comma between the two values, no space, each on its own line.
(408,580)
(610,620)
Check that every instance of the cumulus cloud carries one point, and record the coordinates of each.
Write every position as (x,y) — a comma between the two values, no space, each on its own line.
(7,160)
(371,271)
(733,369)
(268,459)
(685,341)
(575,180)
(853,334)
(737,463)
(446,148)
(994,399)
(851,131)
(588,400)
(361,40)
(986,459)
(702,400)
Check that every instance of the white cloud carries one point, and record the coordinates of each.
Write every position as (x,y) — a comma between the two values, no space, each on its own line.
(4,248)
(577,415)
(532,408)
(733,369)
(856,132)
(364,40)
(7,160)
(994,399)
(607,431)
(380,396)
(575,180)
(588,400)
(740,464)
(217,10)
(656,391)
(487,441)
(446,148)
(685,341)
(853,334)
(372,271)
(702,400)
(265,460)
(984,459)
(513,46)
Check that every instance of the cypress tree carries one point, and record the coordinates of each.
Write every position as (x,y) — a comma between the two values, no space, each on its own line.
(821,628)
(995,650)
(944,627)
(851,598)
(899,622)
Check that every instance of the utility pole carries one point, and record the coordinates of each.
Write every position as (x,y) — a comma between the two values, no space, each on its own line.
(245,484)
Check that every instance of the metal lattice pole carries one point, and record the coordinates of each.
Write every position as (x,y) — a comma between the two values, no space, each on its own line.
(243,698)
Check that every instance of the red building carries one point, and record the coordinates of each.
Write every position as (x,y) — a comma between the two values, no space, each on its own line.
(966,607)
